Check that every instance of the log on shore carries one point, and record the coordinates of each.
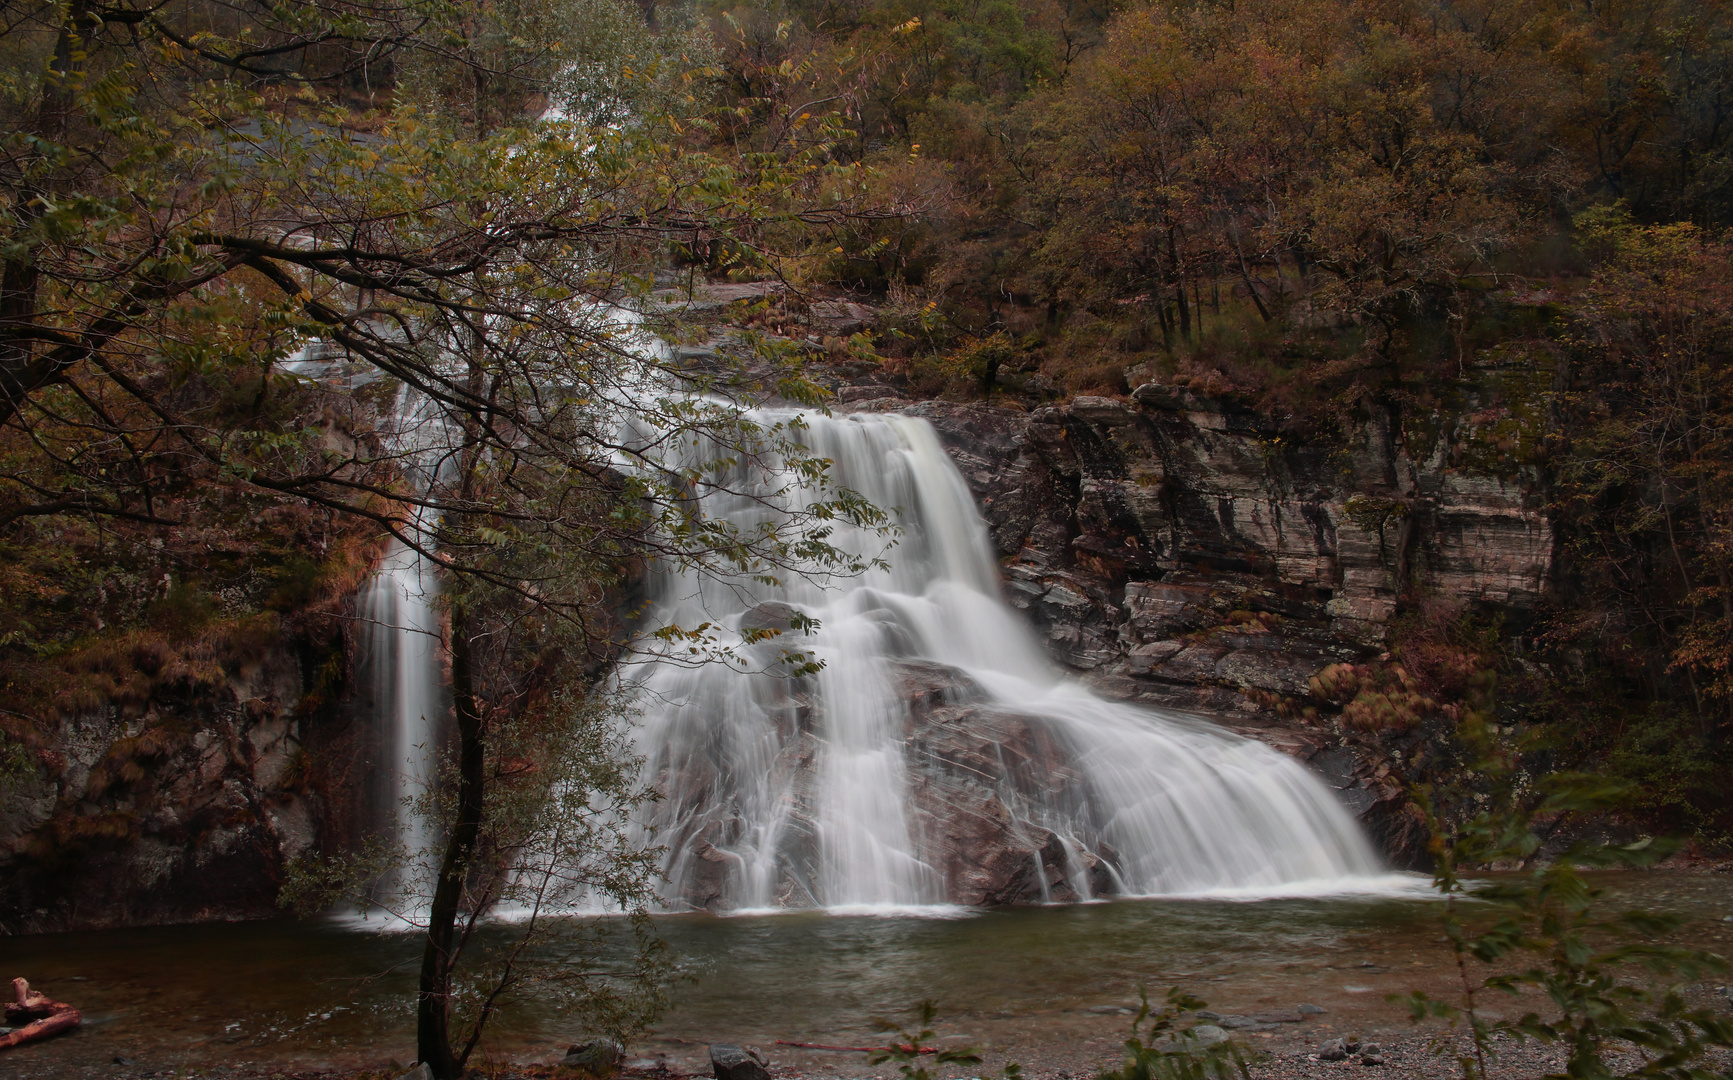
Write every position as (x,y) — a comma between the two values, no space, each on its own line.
(40,1015)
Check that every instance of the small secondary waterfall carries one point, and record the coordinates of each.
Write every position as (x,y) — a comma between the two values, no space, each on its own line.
(403,655)
(799,790)
(403,648)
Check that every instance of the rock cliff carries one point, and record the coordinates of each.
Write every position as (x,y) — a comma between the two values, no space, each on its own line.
(183,798)
(1175,550)
(1170,549)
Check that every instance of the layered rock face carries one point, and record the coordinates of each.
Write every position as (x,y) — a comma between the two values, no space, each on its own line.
(1174,550)
(183,807)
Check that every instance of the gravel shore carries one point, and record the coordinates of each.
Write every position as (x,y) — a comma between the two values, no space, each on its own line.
(1409,1054)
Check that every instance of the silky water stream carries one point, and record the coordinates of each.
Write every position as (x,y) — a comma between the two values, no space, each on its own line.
(780,793)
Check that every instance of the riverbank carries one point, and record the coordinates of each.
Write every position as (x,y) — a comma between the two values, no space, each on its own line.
(1401,1052)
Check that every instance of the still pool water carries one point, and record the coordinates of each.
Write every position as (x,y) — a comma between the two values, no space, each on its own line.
(333,992)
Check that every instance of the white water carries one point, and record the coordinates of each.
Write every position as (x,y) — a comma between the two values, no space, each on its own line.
(1179,806)
(403,649)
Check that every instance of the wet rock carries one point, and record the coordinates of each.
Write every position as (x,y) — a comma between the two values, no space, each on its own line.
(1237,1022)
(1100,410)
(710,871)
(854,395)
(771,615)
(1334,1050)
(972,768)
(731,1062)
(598,1057)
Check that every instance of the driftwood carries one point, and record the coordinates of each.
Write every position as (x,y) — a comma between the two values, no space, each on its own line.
(41,1016)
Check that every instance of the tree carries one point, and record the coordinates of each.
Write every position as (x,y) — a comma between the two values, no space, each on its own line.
(1644,487)
(194,191)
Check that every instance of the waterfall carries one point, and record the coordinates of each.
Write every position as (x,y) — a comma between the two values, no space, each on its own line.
(402,648)
(402,653)
(780,791)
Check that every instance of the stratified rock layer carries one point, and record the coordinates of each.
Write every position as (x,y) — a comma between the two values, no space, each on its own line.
(1175,550)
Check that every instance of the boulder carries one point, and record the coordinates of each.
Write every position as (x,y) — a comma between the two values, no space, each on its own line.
(599,1057)
(1334,1050)
(771,615)
(731,1062)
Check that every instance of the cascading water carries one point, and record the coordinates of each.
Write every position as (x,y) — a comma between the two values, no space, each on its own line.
(402,652)
(782,791)
(402,646)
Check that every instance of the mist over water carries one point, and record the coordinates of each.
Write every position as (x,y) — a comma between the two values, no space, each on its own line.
(782,792)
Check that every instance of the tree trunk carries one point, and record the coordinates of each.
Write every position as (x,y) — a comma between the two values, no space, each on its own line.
(433,1002)
(1179,288)
(39,1016)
